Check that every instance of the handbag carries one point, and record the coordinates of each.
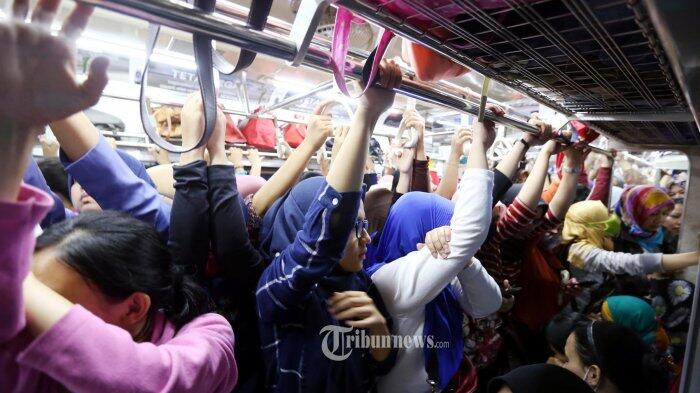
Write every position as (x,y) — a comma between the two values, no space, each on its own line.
(429,65)
(294,134)
(168,121)
(260,132)
(233,133)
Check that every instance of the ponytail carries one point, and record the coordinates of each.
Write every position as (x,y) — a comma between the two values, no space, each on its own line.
(188,300)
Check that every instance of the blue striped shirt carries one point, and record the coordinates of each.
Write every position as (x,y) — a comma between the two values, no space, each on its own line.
(291,299)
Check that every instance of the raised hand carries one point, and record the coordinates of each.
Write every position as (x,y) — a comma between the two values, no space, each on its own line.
(320,125)
(235,155)
(485,133)
(460,138)
(254,157)
(323,162)
(375,100)
(545,131)
(357,309)
(438,242)
(255,162)
(37,70)
(404,162)
(49,146)
(413,119)
(415,123)
(553,147)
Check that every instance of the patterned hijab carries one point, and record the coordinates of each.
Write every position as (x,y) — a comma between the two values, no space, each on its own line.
(637,204)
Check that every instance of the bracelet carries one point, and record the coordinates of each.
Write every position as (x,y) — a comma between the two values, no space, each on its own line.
(566,169)
(527,145)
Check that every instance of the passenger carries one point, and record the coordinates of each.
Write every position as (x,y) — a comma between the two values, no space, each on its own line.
(315,280)
(676,190)
(637,315)
(428,296)
(589,231)
(103,308)
(558,331)
(643,210)
(672,228)
(207,209)
(539,378)
(56,178)
(611,359)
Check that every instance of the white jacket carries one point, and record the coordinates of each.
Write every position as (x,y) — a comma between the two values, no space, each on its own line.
(411,282)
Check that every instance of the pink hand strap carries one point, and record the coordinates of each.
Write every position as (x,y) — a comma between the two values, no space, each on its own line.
(339,51)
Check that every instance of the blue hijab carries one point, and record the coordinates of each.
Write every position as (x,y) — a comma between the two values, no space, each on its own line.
(285,217)
(410,219)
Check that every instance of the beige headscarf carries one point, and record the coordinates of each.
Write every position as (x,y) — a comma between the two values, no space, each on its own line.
(582,225)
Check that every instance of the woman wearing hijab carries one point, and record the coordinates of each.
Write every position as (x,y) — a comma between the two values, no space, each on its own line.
(643,210)
(427,296)
(539,378)
(635,314)
(589,231)
(314,292)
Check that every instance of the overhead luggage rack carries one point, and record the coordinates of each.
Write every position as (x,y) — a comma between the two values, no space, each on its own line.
(576,56)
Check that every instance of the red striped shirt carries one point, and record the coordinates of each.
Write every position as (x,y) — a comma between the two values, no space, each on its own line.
(517,219)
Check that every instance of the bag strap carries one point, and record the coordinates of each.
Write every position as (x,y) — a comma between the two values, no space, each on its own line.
(339,51)
(257,18)
(205,73)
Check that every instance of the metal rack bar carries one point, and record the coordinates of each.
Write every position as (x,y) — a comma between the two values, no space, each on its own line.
(321,87)
(184,17)
(635,117)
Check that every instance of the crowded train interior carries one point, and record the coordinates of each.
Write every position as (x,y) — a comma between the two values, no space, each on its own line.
(330,196)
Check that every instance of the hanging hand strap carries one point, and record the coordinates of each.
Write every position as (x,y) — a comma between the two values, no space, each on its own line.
(203,57)
(339,52)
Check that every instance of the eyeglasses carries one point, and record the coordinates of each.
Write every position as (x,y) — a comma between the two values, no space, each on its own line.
(360,227)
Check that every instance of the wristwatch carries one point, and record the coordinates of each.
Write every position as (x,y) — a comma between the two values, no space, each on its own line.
(567,169)
(527,145)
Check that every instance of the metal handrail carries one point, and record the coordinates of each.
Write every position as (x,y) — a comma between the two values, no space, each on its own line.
(183,16)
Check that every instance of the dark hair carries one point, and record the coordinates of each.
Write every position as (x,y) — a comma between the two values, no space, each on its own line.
(309,174)
(622,356)
(560,327)
(56,176)
(122,255)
